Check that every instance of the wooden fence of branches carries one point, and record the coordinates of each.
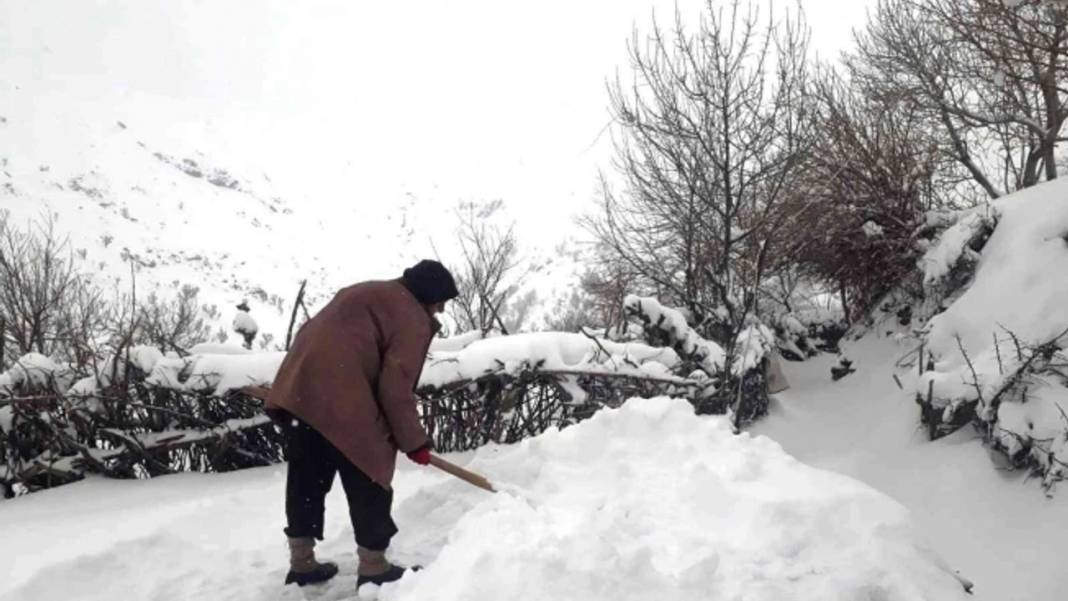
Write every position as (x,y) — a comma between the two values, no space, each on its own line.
(134,430)
(130,432)
(508,407)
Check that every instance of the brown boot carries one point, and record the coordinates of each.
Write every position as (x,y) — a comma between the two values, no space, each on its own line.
(303,568)
(375,569)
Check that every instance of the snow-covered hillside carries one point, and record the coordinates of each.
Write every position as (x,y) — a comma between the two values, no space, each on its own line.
(217,149)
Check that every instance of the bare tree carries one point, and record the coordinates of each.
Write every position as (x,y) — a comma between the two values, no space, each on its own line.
(36,276)
(173,323)
(988,74)
(712,128)
(597,301)
(874,171)
(484,279)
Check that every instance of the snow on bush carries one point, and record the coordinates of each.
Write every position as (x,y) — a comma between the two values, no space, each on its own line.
(754,343)
(215,373)
(214,348)
(653,502)
(458,342)
(872,229)
(1007,325)
(34,372)
(141,357)
(709,355)
(547,351)
(953,248)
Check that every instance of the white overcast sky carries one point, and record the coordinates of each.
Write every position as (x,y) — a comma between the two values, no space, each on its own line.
(352,102)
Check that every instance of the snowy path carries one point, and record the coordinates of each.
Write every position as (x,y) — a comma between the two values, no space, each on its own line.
(182,537)
(218,537)
(996,527)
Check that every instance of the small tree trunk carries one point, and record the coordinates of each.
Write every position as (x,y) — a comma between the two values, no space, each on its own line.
(845,302)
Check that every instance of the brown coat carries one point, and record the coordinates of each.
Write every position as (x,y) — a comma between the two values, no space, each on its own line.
(351,374)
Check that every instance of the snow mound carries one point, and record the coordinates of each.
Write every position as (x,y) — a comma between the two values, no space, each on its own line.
(653,502)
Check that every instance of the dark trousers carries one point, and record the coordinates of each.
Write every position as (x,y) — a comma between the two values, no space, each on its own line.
(313,461)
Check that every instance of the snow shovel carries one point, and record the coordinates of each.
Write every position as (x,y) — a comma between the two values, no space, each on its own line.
(465,475)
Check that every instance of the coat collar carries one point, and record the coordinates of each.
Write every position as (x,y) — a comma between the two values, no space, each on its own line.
(435,325)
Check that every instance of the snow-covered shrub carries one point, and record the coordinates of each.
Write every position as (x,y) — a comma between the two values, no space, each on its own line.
(736,375)
(950,245)
(869,178)
(950,261)
(502,389)
(34,374)
(995,356)
(137,413)
(805,316)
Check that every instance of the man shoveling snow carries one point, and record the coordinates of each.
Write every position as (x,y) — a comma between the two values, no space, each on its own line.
(345,397)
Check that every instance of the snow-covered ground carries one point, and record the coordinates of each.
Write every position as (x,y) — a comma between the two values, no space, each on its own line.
(996,527)
(646,502)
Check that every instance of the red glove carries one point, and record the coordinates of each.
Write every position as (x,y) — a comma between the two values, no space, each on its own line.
(420,455)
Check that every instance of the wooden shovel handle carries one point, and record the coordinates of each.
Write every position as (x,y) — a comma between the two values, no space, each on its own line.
(461,473)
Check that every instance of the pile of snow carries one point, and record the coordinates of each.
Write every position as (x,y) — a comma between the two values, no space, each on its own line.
(652,502)
(558,351)
(1019,289)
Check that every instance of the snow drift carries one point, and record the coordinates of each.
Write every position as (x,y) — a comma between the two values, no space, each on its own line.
(652,502)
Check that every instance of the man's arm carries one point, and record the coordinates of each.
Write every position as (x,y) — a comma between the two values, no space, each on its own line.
(403,360)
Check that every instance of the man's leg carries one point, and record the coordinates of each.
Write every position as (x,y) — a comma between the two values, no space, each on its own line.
(370,508)
(308,479)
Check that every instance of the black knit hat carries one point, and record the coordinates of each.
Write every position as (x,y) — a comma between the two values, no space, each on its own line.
(430,282)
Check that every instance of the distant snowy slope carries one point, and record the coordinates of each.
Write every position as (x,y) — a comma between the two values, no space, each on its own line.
(180,217)
(243,151)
